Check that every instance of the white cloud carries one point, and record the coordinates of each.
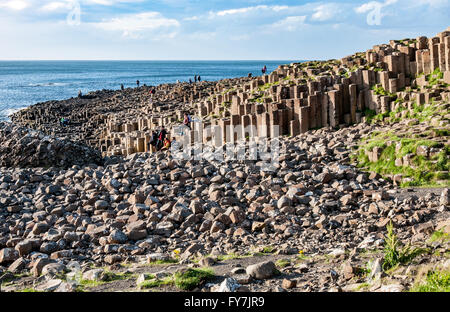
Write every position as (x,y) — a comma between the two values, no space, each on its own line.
(55,6)
(274,8)
(110,2)
(325,12)
(290,23)
(16,5)
(369,6)
(136,25)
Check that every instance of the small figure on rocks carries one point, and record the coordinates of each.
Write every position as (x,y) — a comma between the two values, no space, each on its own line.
(264,70)
(138,83)
(153,141)
(161,137)
(199,78)
(122,87)
(167,144)
(195,78)
(187,120)
(80,94)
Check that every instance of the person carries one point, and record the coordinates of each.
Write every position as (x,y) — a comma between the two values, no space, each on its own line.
(264,70)
(161,138)
(199,78)
(190,81)
(249,75)
(122,87)
(187,120)
(153,141)
(167,145)
(195,78)
(138,83)
(61,121)
(80,94)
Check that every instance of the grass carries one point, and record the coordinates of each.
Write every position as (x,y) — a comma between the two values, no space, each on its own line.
(393,254)
(184,280)
(153,282)
(439,235)
(191,278)
(436,281)
(162,262)
(423,171)
(379,90)
(28,290)
(108,277)
(282,263)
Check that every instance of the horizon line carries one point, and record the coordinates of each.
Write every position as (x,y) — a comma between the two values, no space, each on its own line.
(143,60)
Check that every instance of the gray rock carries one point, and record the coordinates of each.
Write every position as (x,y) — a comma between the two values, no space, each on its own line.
(262,270)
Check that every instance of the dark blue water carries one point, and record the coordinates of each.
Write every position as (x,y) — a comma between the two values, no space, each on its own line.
(24,83)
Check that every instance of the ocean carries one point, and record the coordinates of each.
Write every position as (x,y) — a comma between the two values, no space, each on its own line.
(24,83)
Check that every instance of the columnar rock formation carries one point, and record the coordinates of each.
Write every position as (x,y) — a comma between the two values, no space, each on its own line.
(300,97)
(296,98)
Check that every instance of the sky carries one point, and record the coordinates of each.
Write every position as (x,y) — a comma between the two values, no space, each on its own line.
(210,30)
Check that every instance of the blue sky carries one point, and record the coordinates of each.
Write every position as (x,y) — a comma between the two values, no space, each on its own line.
(210,30)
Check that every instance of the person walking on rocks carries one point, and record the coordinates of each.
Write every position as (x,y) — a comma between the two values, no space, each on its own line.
(138,83)
(199,78)
(195,78)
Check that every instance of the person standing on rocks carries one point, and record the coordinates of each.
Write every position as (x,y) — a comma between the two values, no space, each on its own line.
(122,87)
(161,138)
(199,78)
(195,78)
(264,70)
(138,83)
(153,141)
(187,120)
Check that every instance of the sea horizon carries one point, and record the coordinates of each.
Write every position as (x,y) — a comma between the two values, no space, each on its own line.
(27,82)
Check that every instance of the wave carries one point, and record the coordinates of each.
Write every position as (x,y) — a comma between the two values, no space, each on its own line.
(48,84)
(9,111)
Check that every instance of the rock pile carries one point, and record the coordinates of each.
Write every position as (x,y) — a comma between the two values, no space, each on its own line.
(149,205)
(23,147)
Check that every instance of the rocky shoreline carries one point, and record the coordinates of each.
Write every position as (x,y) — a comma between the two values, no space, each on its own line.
(81,210)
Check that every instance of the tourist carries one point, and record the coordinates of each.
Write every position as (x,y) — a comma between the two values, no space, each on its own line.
(190,81)
(80,94)
(187,120)
(122,87)
(138,83)
(264,70)
(161,138)
(167,145)
(195,78)
(199,78)
(153,141)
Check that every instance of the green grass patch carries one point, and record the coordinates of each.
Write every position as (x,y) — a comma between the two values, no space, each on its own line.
(436,281)
(423,171)
(282,263)
(393,254)
(192,278)
(439,235)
